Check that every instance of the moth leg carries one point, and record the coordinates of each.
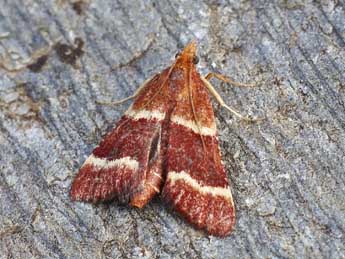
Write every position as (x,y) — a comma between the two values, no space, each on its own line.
(223,104)
(227,80)
(136,93)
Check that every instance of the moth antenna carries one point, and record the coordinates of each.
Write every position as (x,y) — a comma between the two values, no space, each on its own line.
(160,87)
(193,109)
(136,94)
(228,80)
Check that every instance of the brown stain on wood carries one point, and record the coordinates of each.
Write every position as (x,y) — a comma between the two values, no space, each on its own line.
(69,54)
(37,65)
(79,7)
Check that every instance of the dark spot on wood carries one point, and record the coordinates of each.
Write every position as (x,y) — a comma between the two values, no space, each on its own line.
(38,64)
(69,54)
(278,81)
(78,7)
(237,49)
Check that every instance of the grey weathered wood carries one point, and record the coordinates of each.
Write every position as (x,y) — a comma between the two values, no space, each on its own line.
(287,172)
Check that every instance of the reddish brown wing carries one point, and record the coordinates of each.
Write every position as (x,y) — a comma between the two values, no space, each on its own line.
(127,164)
(196,183)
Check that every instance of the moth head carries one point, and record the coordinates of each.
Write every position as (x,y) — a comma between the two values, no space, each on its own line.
(187,55)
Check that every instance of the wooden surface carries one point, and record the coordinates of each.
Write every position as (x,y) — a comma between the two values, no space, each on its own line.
(287,172)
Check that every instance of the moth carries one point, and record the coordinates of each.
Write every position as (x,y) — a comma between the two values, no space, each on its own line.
(166,143)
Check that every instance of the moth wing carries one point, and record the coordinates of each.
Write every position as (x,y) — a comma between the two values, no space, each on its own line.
(127,164)
(196,183)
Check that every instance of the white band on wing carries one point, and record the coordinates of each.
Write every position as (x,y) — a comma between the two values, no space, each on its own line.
(127,162)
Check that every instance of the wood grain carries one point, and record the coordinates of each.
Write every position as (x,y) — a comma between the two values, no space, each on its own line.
(287,172)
